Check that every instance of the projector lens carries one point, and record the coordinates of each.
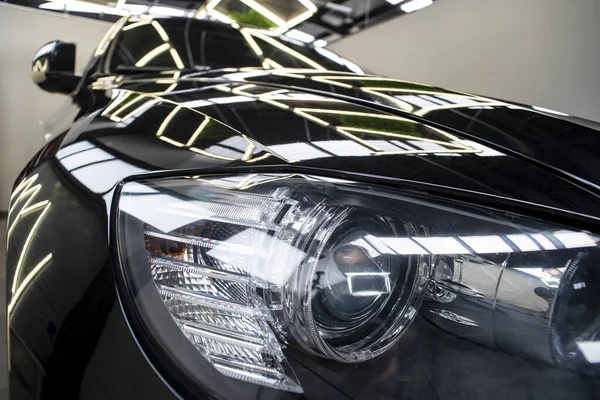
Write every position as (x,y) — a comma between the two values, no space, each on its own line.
(360,294)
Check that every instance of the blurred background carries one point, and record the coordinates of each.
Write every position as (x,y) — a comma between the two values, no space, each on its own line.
(539,52)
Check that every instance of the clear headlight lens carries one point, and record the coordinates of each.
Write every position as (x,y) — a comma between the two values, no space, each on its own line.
(353,296)
(246,266)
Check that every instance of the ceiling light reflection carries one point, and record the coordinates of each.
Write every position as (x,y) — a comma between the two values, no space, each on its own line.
(123,10)
(299,35)
(195,103)
(136,25)
(231,99)
(198,131)
(590,350)
(523,242)
(543,241)
(549,111)
(211,155)
(486,244)
(320,43)
(575,239)
(262,245)
(161,31)
(297,151)
(415,5)
(152,54)
(356,276)
(171,141)
(442,245)
(275,43)
(405,246)
(309,5)
(264,11)
(16,297)
(167,11)
(345,148)
(25,248)
(166,121)
(482,151)
(83,7)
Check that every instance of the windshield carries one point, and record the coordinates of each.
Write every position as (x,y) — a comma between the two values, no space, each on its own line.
(190,43)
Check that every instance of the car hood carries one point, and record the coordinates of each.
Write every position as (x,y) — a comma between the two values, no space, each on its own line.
(556,139)
(352,126)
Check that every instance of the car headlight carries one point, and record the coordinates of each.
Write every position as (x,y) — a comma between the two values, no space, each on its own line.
(248,266)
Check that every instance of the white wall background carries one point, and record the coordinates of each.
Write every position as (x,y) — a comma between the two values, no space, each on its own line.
(23,106)
(538,52)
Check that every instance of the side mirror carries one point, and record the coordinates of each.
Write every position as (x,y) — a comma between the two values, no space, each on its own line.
(53,67)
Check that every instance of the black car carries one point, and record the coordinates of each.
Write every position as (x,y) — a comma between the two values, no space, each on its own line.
(226,214)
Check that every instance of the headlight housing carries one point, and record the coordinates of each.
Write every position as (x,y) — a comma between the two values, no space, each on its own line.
(249,266)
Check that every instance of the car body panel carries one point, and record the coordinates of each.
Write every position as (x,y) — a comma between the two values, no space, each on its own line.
(163,129)
(70,333)
(552,137)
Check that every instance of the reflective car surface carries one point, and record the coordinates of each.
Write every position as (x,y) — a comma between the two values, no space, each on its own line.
(226,214)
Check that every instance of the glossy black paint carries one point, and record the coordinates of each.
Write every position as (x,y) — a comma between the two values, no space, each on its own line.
(71,334)
(53,67)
